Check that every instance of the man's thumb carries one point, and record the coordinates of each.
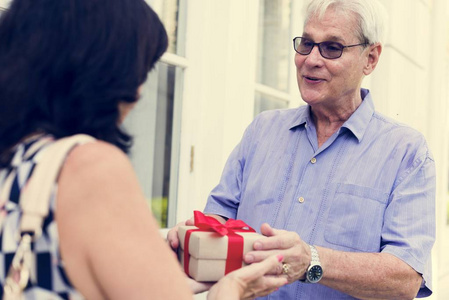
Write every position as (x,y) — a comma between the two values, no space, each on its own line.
(267,230)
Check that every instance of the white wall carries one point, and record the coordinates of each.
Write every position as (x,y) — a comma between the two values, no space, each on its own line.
(411,85)
(219,88)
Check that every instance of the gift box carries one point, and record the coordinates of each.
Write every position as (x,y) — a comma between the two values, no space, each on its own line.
(209,250)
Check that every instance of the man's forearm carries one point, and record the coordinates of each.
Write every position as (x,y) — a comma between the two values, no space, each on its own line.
(369,275)
(220,219)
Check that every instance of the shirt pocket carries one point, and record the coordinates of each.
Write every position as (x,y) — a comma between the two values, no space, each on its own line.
(355,218)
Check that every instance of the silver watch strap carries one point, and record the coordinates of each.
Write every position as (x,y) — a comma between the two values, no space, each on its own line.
(315,256)
(315,260)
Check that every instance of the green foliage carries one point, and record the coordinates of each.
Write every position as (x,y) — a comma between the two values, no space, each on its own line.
(159,208)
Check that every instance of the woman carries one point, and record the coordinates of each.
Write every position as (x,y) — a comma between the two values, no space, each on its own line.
(76,66)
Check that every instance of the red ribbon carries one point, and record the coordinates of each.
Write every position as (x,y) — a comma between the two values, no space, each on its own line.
(234,256)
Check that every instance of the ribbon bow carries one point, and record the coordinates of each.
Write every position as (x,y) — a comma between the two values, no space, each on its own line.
(230,228)
(206,223)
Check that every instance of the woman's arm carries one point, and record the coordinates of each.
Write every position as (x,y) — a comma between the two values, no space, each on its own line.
(109,240)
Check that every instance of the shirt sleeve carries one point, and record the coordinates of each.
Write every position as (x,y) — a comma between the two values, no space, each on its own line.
(224,199)
(409,222)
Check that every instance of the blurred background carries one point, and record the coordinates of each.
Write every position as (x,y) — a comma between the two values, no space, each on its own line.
(228,60)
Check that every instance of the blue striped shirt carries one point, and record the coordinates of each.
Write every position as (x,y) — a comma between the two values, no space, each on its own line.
(369,188)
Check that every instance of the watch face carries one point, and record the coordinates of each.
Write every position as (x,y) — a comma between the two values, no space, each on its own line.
(315,273)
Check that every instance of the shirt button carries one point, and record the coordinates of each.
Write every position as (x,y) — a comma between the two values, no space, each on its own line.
(313,160)
(301,199)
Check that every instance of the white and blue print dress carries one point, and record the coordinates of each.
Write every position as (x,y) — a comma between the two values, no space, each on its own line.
(48,279)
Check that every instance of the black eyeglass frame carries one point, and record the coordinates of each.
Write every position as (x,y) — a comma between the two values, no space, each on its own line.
(325,42)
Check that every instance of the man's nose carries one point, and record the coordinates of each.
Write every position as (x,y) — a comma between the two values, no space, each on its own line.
(314,56)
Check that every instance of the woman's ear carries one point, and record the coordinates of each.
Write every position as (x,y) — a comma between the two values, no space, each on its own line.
(373,58)
(124,108)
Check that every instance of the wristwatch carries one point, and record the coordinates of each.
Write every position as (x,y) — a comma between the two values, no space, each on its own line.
(314,272)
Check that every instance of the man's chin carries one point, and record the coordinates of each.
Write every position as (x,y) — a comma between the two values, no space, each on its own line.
(311,97)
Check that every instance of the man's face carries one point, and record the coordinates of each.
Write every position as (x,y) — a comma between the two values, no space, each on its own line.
(331,82)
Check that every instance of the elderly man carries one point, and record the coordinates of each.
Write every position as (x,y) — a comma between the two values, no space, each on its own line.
(350,191)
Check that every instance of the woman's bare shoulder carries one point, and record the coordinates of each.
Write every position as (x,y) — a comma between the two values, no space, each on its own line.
(98,172)
(96,155)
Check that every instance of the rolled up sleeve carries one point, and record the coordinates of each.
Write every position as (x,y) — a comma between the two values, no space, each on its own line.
(409,228)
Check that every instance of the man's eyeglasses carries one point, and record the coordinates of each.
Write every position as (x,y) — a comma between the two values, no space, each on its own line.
(328,49)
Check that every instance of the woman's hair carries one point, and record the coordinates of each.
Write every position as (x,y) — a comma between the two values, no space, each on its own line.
(65,65)
(371,16)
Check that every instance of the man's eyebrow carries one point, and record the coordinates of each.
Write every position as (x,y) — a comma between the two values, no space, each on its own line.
(332,38)
(335,38)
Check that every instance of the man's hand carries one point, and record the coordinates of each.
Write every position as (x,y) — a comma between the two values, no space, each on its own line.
(296,252)
(172,235)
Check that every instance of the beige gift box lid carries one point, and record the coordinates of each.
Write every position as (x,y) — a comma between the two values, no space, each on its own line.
(208,252)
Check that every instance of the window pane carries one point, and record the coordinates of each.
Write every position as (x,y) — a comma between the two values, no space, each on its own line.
(151,124)
(264,102)
(168,13)
(274,43)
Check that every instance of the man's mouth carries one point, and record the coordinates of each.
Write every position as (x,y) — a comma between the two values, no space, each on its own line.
(313,79)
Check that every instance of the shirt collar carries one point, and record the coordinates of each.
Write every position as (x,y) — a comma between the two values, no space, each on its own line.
(302,117)
(357,122)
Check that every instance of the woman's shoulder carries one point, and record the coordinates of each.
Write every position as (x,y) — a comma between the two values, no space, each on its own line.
(97,156)
(96,151)
(94,170)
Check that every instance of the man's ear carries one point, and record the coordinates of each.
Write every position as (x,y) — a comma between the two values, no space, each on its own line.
(373,58)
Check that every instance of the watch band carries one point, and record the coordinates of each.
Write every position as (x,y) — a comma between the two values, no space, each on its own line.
(315,271)
(315,256)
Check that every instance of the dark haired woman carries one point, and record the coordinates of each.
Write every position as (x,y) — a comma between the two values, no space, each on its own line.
(76,66)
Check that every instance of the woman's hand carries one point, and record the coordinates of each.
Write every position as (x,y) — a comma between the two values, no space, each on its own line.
(250,281)
(198,287)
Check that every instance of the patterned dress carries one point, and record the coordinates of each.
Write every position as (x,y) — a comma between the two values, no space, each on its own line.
(48,279)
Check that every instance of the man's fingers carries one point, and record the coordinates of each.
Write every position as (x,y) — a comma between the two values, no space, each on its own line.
(267,230)
(190,222)
(258,256)
(172,238)
(284,241)
(172,235)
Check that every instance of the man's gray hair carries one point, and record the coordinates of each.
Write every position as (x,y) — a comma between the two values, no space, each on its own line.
(372,16)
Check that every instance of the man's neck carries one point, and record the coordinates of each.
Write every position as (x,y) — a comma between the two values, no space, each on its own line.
(329,119)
